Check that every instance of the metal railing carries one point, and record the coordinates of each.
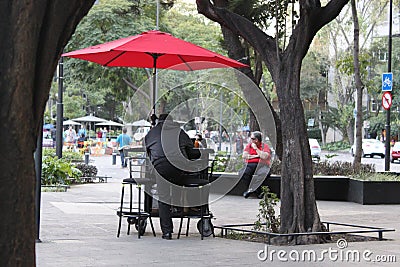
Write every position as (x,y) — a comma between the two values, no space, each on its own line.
(364,229)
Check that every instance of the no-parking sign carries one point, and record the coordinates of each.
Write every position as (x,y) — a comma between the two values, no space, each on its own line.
(386,100)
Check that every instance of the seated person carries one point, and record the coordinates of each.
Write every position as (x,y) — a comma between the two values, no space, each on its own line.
(200,142)
(171,151)
(257,156)
(81,141)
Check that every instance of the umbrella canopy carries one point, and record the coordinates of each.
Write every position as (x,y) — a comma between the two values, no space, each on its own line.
(109,123)
(89,118)
(48,126)
(70,122)
(154,49)
(140,123)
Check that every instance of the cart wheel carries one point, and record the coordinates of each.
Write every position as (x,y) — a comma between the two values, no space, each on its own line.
(208,227)
(132,220)
(143,224)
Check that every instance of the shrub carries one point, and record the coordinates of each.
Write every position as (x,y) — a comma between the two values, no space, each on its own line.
(276,166)
(67,155)
(266,219)
(87,170)
(376,177)
(72,156)
(222,160)
(335,146)
(314,133)
(49,152)
(57,171)
(235,164)
(339,168)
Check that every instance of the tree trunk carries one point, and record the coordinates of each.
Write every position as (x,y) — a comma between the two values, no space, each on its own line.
(359,88)
(33,34)
(298,208)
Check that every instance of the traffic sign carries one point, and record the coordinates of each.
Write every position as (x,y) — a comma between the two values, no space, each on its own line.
(386,100)
(387,81)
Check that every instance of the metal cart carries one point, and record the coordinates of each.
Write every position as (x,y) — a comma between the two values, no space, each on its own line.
(142,176)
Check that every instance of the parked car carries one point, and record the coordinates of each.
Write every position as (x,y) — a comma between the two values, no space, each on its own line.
(395,154)
(370,147)
(315,149)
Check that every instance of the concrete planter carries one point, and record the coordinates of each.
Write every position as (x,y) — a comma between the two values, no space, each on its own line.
(333,188)
(374,192)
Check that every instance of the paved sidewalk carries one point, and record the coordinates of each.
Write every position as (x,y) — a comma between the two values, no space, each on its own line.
(78,228)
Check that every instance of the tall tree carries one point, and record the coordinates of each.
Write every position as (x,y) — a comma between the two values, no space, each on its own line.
(359,87)
(32,34)
(342,42)
(298,207)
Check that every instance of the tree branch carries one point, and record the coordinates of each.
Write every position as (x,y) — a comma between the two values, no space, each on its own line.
(260,41)
(129,82)
(323,15)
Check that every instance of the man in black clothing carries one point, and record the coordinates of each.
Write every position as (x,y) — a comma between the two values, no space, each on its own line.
(170,150)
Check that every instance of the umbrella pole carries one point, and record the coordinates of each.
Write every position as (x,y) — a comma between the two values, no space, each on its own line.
(155,56)
(154,90)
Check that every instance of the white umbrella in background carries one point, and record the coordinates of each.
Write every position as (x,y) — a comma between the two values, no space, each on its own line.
(70,122)
(140,123)
(90,119)
(109,123)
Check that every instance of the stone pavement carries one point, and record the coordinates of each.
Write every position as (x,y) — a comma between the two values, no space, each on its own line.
(78,228)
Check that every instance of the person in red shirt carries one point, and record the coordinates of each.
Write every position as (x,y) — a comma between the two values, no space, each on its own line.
(257,156)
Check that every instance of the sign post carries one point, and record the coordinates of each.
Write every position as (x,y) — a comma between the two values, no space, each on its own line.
(387,84)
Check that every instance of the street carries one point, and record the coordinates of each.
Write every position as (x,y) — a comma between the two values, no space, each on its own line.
(377,161)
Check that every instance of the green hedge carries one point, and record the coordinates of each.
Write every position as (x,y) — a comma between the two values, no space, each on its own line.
(314,133)
(338,168)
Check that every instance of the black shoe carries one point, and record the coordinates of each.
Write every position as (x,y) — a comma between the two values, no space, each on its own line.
(167,236)
(246,194)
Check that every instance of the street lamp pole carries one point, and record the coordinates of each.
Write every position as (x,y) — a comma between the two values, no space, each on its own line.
(60,110)
(220,121)
(387,127)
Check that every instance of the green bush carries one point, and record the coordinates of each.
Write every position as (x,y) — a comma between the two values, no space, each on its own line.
(335,146)
(222,160)
(72,156)
(235,164)
(267,220)
(57,171)
(67,155)
(338,168)
(87,170)
(376,177)
(49,152)
(314,133)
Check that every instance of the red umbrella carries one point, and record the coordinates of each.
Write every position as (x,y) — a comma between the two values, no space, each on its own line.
(154,49)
